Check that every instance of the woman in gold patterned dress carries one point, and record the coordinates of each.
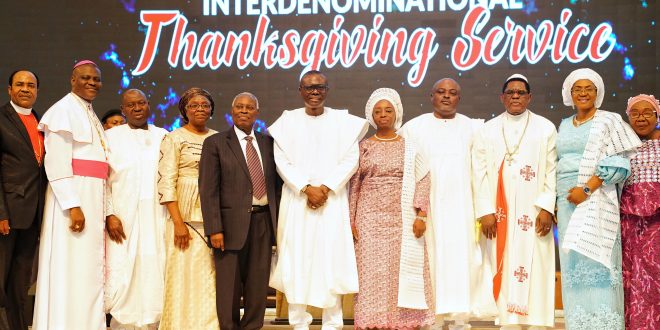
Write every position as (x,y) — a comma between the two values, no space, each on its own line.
(189,301)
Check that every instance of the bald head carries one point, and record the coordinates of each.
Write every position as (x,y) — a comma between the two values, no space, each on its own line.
(135,107)
(445,95)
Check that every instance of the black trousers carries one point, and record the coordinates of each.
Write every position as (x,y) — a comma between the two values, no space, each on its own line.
(245,273)
(17,251)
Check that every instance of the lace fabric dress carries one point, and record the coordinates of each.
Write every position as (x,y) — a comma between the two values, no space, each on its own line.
(640,238)
(375,200)
(189,297)
(592,294)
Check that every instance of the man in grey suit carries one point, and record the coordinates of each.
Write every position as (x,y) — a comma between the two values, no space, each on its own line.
(22,190)
(240,191)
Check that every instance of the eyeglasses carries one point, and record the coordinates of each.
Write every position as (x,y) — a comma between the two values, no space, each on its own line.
(133,105)
(243,106)
(511,92)
(588,90)
(311,88)
(645,114)
(203,106)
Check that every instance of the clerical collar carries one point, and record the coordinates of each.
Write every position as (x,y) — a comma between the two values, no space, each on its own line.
(516,118)
(20,109)
(241,135)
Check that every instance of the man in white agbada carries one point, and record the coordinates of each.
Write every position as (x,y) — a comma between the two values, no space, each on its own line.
(514,165)
(445,140)
(135,222)
(316,153)
(71,249)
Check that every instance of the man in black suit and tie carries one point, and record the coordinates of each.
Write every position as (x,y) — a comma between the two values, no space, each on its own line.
(240,192)
(22,187)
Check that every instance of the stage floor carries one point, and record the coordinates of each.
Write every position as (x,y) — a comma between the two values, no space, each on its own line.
(481,324)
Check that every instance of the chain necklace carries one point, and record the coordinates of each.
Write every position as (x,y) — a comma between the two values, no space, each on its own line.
(94,123)
(508,156)
(578,123)
(386,139)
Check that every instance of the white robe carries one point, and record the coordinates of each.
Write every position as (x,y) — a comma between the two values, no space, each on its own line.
(316,253)
(453,252)
(70,280)
(135,268)
(536,147)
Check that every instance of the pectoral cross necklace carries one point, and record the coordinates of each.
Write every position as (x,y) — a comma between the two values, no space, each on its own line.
(508,155)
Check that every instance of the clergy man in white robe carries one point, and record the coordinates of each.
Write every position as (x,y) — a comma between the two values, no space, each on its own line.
(71,249)
(135,221)
(316,153)
(445,139)
(514,165)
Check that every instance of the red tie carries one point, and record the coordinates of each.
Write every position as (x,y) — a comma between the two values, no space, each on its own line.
(256,173)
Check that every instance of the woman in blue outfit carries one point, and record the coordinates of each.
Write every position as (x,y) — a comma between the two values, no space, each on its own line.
(593,148)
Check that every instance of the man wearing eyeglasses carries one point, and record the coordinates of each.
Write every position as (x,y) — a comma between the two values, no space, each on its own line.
(135,220)
(445,138)
(514,161)
(316,152)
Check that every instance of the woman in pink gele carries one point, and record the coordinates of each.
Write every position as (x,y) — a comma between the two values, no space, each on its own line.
(640,219)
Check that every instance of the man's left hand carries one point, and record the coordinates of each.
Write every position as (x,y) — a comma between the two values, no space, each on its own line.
(4,226)
(115,229)
(543,223)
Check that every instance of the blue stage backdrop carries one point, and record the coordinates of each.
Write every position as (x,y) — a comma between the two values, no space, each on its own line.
(228,46)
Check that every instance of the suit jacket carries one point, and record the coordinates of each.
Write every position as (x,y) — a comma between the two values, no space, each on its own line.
(23,180)
(225,187)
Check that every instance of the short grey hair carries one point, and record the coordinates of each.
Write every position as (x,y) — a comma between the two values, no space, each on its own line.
(248,94)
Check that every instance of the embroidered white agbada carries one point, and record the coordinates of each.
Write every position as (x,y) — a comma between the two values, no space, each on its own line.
(454,255)
(316,254)
(528,282)
(135,268)
(70,281)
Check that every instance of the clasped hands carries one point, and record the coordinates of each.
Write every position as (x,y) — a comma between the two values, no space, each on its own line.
(543,224)
(316,196)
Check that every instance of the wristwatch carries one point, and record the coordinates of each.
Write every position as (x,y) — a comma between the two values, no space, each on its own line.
(587,191)
(304,188)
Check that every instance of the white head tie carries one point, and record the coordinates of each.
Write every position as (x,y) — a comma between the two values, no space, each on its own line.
(580,74)
(384,94)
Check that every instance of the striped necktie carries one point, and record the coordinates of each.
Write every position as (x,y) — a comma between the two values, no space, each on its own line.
(256,173)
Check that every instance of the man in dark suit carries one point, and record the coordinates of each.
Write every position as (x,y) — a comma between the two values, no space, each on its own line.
(240,191)
(22,186)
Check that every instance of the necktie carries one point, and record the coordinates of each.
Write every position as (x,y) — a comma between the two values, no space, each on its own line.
(254,167)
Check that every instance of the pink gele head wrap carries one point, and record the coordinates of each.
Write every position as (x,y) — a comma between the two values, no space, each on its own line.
(83,62)
(644,97)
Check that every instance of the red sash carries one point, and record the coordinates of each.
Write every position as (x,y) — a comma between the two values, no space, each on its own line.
(501,215)
(91,168)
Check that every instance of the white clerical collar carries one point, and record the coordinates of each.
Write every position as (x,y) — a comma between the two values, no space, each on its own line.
(241,135)
(516,118)
(20,109)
